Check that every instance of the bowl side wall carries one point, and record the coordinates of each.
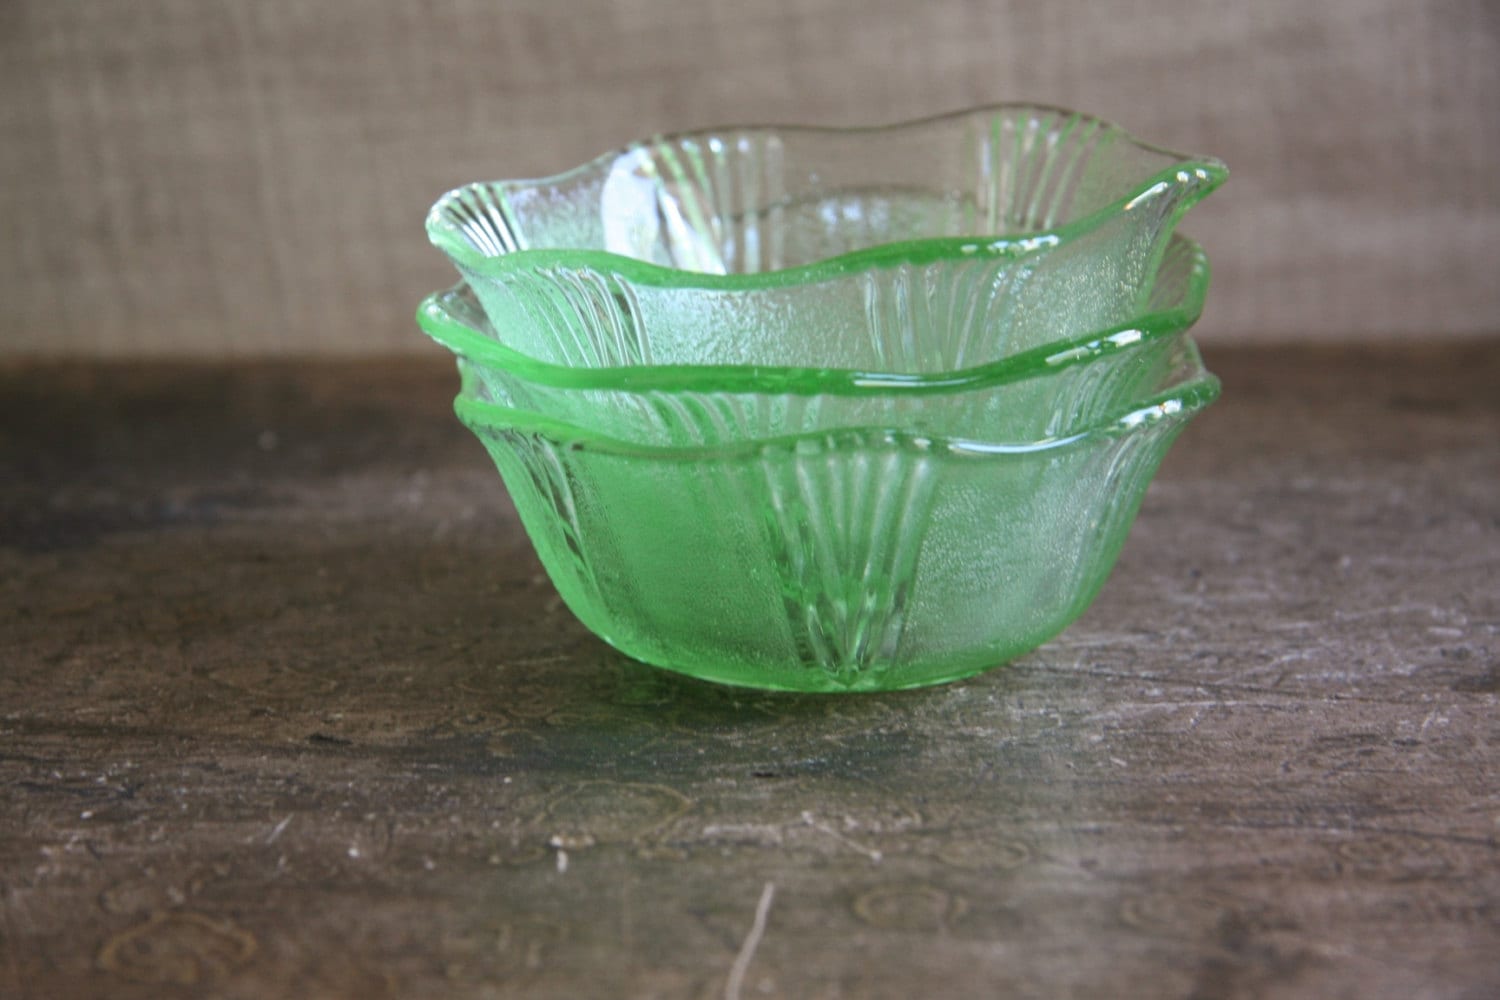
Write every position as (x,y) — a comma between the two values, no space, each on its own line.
(865,562)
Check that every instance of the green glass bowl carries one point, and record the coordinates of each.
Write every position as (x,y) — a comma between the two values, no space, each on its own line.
(919,248)
(857,559)
(1045,390)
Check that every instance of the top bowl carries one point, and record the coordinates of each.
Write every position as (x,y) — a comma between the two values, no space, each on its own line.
(915,248)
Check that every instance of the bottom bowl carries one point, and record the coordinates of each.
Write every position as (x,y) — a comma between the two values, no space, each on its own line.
(849,560)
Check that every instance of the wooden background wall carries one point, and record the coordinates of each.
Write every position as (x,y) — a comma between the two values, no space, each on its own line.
(211,177)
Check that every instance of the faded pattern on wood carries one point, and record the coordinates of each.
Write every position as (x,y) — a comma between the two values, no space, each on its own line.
(287,708)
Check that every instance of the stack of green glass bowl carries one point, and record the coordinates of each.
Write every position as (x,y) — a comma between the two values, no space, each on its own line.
(832,410)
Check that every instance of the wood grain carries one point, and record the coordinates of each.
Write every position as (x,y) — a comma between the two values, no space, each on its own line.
(288,709)
(208,177)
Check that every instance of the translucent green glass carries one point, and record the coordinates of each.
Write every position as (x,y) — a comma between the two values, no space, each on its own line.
(1041,390)
(919,248)
(846,560)
(832,410)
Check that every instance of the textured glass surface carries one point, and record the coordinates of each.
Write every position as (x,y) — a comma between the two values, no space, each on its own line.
(852,559)
(917,248)
(832,410)
(1045,390)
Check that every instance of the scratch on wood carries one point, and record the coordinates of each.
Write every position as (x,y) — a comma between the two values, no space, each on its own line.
(277,830)
(1492,843)
(869,852)
(742,961)
(1209,686)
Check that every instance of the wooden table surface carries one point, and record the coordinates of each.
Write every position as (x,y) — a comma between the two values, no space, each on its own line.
(288,709)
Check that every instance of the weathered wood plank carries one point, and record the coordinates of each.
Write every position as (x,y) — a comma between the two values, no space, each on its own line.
(287,709)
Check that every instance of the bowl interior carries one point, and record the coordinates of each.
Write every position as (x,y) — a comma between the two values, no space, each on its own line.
(751,200)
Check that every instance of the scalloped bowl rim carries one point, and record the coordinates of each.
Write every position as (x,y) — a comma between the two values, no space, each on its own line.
(442,233)
(1182,401)
(438,322)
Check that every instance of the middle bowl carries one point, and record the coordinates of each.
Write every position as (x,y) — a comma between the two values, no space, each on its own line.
(1038,393)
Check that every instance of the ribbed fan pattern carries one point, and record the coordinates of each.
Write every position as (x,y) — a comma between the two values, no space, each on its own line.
(847,528)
